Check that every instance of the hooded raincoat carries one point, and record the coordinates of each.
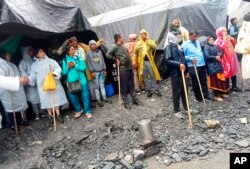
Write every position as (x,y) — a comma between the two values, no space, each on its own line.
(24,68)
(12,100)
(229,62)
(142,50)
(243,46)
(39,70)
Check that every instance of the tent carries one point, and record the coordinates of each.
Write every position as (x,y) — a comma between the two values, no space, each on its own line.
(203,16)
(43,23)
(40,21)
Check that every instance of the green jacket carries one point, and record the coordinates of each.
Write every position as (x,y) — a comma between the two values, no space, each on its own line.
(121,53)
(75,73)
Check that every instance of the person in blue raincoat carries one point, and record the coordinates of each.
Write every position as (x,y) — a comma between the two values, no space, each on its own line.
(39,70)
(74,67)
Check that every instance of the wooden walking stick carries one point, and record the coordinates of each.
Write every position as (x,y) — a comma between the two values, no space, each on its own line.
(186,96)
(14,114)
(197,76)
(119,86)
(53,110)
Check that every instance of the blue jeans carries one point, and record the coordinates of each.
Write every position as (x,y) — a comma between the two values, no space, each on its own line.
(98,83)
(84,97)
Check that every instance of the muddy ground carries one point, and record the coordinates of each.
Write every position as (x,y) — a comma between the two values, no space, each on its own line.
(81,143)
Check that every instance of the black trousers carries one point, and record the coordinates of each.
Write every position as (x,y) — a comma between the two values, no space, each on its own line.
(127,85)
(234,81)
(178,92)
(203,80)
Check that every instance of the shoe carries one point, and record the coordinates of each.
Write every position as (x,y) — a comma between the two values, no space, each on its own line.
(158,93)
(60,118)
(137,102)
(150,94)
(127,106)
(37,117)
(197,100)
(224,96)
(236,89)
(107,101)
(89,115)
(208,98)
(51,120)
(219,99)
(24,123)
(78,114)
(178,115)
(100,104)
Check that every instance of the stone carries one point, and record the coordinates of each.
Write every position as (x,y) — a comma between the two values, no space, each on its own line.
(138,154)
(204,152)
(37,142)
(157,158)
(138,165)
(242,143)
(111,157)
(109,165)
(176,157)
(125,163)
(129,159)
(243,120)
(212,124)
(168,161)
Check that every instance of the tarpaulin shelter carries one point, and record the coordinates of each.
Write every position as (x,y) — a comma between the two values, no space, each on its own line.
(203,16)
(42,23)
(42,19)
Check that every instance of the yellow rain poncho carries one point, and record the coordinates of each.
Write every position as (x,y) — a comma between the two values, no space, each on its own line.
(145,49)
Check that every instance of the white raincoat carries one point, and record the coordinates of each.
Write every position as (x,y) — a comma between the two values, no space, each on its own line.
(24,68)
(39,71)
(7,97)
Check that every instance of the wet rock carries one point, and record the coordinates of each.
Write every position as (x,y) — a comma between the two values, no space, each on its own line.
(212,124)
(112,157)
(125,164)
(129,159)
(243,120)
(204,152)
(176,157)
(109,165)
(138,165)
(168,161)
(138,154)
(242,143)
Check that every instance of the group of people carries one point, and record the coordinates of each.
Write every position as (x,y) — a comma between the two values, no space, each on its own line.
(83,70)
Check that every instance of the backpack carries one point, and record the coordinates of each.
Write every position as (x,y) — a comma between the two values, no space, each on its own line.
(163,66)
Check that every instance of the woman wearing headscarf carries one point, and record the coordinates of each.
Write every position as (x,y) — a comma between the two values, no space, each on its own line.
(229,60)
(147,69)
(30,91)
(74,68)
(13,101)
(216,79)
(39,70)
(176,62)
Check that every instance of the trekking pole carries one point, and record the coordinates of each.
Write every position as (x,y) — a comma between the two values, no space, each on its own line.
(119,86)
(186,96)
(14,114)
(53,110)
(197,76)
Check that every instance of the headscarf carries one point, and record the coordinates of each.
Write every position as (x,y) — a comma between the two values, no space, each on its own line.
(219,41)
(131,43)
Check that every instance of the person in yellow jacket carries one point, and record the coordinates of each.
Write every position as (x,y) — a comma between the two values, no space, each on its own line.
(144,60)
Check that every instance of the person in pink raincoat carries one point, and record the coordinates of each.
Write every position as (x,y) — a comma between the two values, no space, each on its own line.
(229,60)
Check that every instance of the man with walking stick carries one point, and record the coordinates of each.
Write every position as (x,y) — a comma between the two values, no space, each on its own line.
(196,67)
(119,53)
